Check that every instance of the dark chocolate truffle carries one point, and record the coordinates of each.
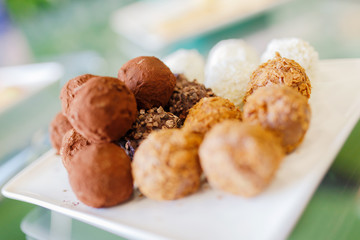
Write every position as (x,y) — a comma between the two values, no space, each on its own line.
(58,127)
(149,79)
(100,175)
(103,109)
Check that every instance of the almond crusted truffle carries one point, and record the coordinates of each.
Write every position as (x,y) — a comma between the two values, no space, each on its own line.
(103,109)
(149,79)
(282,110)
(209,111)
(58,127)
(166,165)
(100,175)
(280,71)
(240,158)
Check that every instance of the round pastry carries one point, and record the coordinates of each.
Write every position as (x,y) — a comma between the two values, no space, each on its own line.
(240,158)
(209,111)
(149,79)
(71,144)
(100,175)
(58,127)
(282,110)
(103,109)
(166,164)
(69,90)
(280,71)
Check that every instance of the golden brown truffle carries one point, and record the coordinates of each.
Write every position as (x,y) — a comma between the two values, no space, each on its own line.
(166,164)
(103,109)
(71,144)
(280,71)
(209,111)
(58,127)
(240,158)
(149,79)
(100,175)
(282,110)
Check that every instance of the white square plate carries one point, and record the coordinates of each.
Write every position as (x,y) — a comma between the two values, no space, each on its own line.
(210,214)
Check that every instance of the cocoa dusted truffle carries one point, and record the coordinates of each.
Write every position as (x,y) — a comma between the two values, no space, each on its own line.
(282,110)
(103,109)
(100,175)
(58,127)
(71,144)
(240,158)
(166,165)
(69,90)
(209,111)
(280,71)
(149,79)
(186,94)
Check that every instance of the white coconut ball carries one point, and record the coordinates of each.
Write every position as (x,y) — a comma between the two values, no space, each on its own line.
(188,62)
(228,69)
(296,49)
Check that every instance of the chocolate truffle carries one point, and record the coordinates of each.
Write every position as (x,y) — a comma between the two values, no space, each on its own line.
(282,110)
(209,111)
(166,165)
(100,175)
(103,109)
(58,127)
(280,71)
(240,158)
(186,94)
(72,143)
(149,79)
(69,90)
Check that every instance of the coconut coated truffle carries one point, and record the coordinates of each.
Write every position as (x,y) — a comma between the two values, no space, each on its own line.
(240,158)
(58,127)
(100,175)
(103,109)
(209,111)
(281,110)
(149,79)
(166,165)
(281,71)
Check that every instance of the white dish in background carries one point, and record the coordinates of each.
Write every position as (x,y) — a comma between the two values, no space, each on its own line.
(210,214)
(154,25)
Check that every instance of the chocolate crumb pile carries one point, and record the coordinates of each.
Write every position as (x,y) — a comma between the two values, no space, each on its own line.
(146,122)
(186,94)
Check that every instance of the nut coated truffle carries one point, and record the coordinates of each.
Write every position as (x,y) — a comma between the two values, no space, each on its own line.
(100,175)
(209,111)
(149,79)
(166,164)
(103,109)
(71,144)
(280,71)
(240,158)
(58,127)
(69,90)
(282,110)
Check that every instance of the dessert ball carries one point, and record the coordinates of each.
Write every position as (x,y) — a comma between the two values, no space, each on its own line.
(188,62)
(293,48)
(240,158)
(281,110)
(58,127)
(149,79)
(186,94)
(166,165)
(72,143)
(103,109)
(280,71)
(69,90)
(100,175)
(209,111)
